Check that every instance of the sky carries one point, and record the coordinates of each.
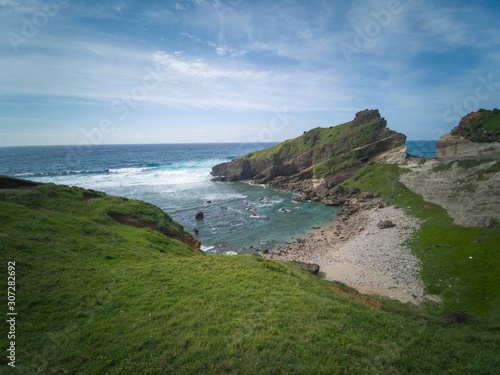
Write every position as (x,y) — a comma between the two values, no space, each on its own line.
(190,71)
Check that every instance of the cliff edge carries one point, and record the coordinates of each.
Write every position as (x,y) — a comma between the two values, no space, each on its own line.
(464,177)
(477,136)
(315,162)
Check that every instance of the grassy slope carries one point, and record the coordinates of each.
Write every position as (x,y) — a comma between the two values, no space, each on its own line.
(471,285)
(96,297)
(481,126)
(332,147)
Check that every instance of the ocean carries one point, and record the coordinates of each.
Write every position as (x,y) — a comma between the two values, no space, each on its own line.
(239,217)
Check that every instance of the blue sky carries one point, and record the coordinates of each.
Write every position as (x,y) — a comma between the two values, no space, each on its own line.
(106,72)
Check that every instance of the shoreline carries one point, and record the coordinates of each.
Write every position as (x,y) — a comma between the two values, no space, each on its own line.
(353,249)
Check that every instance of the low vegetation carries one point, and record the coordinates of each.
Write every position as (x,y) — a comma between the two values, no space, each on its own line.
(462,265)
(481,126)
(94,296)
(336,148)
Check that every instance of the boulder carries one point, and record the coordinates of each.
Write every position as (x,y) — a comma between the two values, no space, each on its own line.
(459,317)
(199,216)
(311,267)
(337,190)
(332,201)
(300,199)
(367,195)
(386,224)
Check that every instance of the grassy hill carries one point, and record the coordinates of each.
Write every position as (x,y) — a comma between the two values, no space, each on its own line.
(95,296)
(320,152)
(338,147)
(481,126)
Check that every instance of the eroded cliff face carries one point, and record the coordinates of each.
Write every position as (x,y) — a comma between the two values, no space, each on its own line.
(464,177)
(320,159)
(454,147)
(468,189)
(476,137)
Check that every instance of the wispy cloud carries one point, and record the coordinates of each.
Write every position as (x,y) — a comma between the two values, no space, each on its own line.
(247,59)
(178,6)
(221,50)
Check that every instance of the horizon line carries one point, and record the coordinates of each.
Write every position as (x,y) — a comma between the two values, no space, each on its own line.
(176,143)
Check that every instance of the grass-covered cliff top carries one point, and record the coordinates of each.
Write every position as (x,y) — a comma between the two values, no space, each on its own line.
(481,126)
(338,147)
(94,296)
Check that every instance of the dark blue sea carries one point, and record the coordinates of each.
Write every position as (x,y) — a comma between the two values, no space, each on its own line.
(239,217)
(426,148)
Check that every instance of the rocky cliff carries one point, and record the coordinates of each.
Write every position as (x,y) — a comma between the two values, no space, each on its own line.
(320,159)
(476,137)
(464,178)
(468,189)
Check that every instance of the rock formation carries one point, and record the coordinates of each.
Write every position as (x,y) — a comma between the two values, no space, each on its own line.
(476,137)
(316,162)
(468,190)
(464,178)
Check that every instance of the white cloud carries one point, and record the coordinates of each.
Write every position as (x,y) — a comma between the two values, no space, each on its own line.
(8,3)
(221,50)
(178,6)
(198,68)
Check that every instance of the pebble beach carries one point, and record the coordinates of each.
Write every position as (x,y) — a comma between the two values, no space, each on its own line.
(356,251)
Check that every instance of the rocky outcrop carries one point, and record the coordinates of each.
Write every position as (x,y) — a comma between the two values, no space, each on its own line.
(469,189)
(311,267)
(476,137)
(137,223)
(464,177)
(316,162)
(455,147)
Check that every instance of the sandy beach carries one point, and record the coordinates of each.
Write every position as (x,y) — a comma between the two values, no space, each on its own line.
(356,251)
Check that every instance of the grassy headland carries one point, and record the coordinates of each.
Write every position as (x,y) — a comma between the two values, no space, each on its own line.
(94,296)
(320,152)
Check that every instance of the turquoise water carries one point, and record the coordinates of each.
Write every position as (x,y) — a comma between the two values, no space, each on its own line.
(239,217)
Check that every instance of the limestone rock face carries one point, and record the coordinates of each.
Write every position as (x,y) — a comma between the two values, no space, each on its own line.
(468,190)
(477,136)
(457,147)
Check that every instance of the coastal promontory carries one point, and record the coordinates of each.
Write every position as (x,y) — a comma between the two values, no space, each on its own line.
(317,161)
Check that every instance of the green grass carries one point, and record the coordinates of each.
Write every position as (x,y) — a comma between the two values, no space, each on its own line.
(490,121)
(97,297)
(481,126)
(471,285)
(466,164)
(331,148)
